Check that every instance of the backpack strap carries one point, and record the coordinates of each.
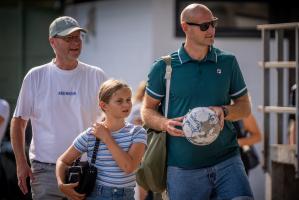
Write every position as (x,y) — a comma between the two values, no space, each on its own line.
(168,71)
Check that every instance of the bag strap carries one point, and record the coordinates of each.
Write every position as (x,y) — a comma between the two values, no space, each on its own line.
(95,151)
(94,154)
(167,60)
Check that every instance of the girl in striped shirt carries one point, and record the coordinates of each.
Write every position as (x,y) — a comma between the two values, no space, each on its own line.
(121,148)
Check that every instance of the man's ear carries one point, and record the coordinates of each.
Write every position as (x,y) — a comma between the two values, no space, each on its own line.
(184,26)
(51,41)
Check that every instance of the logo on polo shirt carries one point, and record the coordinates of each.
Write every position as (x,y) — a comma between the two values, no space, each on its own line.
(219,71)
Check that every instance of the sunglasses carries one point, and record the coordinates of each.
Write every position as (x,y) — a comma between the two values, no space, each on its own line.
(205,26)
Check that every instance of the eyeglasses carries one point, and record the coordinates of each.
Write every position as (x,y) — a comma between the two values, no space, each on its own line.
(205,26)
(70,38)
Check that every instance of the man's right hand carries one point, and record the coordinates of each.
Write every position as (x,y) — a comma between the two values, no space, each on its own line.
(170,126)
(23,172)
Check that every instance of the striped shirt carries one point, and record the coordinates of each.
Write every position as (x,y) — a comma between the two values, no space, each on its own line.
(109,173)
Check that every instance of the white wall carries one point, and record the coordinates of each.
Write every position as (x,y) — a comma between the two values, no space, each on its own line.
(121,42)
(129,35)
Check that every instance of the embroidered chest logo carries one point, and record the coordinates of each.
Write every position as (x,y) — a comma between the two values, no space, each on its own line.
(219,71)
(67,93)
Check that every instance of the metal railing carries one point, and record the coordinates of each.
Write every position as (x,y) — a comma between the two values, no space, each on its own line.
(279,64)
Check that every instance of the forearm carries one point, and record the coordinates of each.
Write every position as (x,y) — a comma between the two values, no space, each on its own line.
(17,135)
(122,158)
(248,141)
(153,119)
(239,109)
(60,171)
(254,134)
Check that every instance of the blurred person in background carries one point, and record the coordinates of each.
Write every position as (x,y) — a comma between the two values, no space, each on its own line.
(135,115)
(248,134)
(292,117)
(135,118)
(4,117)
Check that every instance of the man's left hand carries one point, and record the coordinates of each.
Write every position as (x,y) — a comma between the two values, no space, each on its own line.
(219,112)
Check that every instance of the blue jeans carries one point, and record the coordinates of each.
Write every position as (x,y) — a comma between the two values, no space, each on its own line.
(223,181)
(111,193)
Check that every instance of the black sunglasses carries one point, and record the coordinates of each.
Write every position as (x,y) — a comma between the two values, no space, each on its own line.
(205,26)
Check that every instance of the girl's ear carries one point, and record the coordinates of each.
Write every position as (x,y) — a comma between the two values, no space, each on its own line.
(102,105)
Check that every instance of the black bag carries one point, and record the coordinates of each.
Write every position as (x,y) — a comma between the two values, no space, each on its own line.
(83,172)
(249,157)
(249,154)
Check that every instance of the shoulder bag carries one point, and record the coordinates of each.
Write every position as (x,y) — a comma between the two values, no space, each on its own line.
(151,174)
(84,172)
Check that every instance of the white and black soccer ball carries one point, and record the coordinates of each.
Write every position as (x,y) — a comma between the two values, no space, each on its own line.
(201,126)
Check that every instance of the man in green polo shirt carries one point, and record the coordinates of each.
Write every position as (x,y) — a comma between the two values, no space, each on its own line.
(202,76)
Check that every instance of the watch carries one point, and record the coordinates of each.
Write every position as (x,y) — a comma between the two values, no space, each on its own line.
(225,111)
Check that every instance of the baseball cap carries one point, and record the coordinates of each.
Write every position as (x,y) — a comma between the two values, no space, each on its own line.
(63,26)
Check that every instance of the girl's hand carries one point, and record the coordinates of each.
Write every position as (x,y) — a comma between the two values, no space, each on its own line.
(101,131)
(69,191)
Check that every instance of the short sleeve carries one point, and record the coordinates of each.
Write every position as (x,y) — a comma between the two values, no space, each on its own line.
(238,87)
(24,107)
(81,141)
(101,76)
(139,135)
(156,82)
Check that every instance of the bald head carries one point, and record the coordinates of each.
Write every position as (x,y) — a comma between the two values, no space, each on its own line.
(194,10)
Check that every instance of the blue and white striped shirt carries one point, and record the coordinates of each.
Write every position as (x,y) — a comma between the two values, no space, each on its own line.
(109,173)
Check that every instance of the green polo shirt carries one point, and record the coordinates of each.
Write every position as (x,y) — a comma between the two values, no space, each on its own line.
(213,81)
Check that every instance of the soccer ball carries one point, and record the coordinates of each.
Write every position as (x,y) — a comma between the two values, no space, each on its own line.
(201,126)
